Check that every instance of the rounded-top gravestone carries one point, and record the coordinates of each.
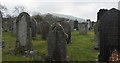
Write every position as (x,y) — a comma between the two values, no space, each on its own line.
(109,30)
(23,30)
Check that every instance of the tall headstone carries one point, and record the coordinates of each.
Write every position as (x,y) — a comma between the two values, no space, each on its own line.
(24,38)
(83,28)
(34,27)
(57,43)
(109,30)
(67,29)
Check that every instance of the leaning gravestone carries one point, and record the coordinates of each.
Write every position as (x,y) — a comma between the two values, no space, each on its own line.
(67,29)
(1,36)
(83,29)
(34,27)
(23,38)
(109,30)
(57,43)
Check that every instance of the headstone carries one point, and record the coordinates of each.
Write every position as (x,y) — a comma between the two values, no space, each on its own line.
(24,38)
(89,24)
(96,36)
(83,28)
(39,28)
(109,30)
(45,29)
(76,25)
(34,27)
(71,24)
(57,43)
(67,29)
(5,26)
(14,28)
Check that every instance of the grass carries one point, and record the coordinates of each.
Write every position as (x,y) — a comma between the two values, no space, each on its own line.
(81,48)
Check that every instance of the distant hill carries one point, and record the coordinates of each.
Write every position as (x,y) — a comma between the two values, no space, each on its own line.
(69,17)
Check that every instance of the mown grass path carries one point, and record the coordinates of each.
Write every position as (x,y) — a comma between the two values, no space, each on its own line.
(81,48)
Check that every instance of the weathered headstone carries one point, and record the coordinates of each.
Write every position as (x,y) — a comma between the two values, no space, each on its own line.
(39,28)
(14,28)
(76,24)
(71,24)
(83,28)
(96,36)
(109,30)
(67,29)
(24,38)
(34,27)
(45,29)
(57,43)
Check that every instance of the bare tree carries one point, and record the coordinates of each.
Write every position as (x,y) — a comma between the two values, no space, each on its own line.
(3,9)
(19,9)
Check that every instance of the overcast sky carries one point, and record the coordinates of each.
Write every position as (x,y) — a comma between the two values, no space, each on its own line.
(86,9)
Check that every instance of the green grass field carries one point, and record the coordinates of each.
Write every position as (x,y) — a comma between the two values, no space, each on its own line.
(81,48)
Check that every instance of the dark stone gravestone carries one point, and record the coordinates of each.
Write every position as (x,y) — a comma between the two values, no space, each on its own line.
(83,28)
(23,37)
(34,27)
(67,29)
(57,43)
(76,24)
(109,30)
(101,13)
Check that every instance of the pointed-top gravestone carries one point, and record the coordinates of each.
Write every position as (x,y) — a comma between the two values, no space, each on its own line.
(23,29)
(109,30)
(57,43)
